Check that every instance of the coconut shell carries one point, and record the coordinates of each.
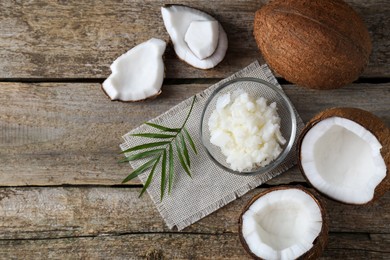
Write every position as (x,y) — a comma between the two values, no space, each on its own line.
(317,44)
(319,243)
(171,42)
(148,98)
(132,101)
(370,122)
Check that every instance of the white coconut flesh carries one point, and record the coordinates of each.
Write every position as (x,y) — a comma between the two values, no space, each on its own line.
(138,74)
(177,20)
(282,224)
(202,38)
(342,159)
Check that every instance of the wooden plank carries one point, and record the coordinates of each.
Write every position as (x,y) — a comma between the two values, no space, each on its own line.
(360,242)
(77,39)
(68,133)
(49,213)
(176,246)
(138,246)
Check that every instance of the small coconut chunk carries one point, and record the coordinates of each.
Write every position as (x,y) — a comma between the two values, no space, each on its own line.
(202,38)
(177,20)
(282,224)
(138,74)
(342,159)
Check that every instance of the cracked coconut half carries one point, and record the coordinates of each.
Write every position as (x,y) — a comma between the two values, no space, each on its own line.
(345,154)
(284,223)
(138,74)
(197,37)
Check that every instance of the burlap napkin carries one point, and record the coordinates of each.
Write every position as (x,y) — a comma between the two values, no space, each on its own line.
(210,187)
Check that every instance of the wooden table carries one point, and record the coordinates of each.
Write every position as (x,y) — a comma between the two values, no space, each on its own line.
(60,194)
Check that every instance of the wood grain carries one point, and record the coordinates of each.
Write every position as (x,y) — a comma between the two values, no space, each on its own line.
(68,133)
(56,212)
(80,39)
(101,223)
(166,246)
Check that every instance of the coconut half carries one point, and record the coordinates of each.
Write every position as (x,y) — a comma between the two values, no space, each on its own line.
(344,154)
(284,223)
(138,74)
(183,23)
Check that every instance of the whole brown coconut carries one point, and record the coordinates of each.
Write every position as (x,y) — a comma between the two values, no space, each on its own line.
(320,44)
(371,123)
(319,243)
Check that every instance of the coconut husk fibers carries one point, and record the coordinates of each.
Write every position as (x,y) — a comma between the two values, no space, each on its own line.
(319,243)
(370,122)
(317,44)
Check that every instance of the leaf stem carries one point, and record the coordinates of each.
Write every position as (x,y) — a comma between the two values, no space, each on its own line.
(189,113)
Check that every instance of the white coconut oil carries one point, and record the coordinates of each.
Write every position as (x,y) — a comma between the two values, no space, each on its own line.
(247,130)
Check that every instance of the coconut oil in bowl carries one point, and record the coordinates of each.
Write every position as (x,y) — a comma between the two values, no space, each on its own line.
(248,126)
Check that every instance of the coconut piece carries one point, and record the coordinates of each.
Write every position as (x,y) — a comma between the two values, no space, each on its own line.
(284,223)
(202,38)
(138,74)
(317,44)
(345,154)
(177,20)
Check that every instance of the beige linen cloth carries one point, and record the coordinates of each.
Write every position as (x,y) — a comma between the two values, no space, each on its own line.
(210,187)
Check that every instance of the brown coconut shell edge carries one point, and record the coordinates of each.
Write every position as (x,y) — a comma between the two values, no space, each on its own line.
(319,243)
(370,122)
(131,101)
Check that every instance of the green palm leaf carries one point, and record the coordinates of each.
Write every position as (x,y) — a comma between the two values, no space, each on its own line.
(163,128)
(181,159)
(161,152)
(171,169)
(145,146)
(150,177)
(192,144)
(139,170)
(163,173)
(185,150)
(141,155)
(154,135)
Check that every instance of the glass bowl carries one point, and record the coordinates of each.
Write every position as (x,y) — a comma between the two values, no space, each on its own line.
(256,88)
